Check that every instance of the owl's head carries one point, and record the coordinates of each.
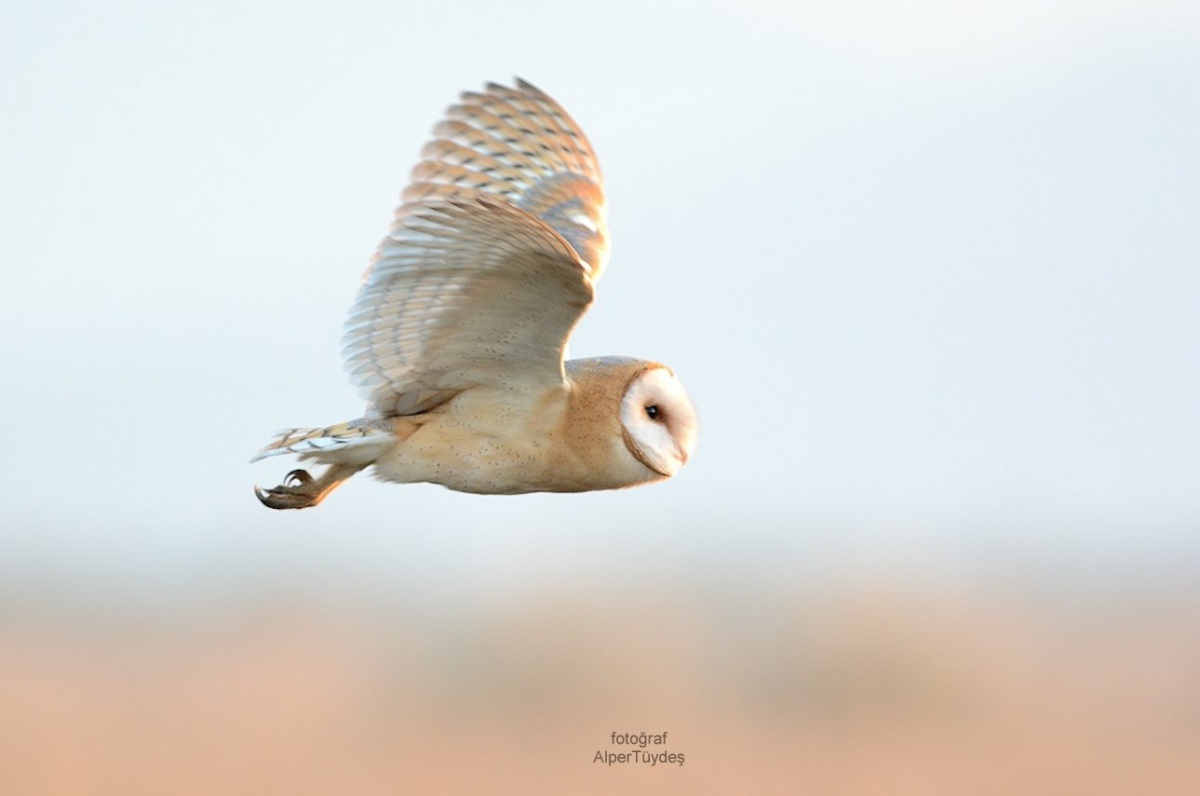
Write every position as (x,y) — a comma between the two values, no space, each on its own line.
(652,419)
(658,421)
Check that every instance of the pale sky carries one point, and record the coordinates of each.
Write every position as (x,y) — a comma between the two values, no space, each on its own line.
(930,275)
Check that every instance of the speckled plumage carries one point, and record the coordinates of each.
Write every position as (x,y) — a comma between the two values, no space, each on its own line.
(456,337)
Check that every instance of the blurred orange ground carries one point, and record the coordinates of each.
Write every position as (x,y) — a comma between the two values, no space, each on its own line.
(854,692)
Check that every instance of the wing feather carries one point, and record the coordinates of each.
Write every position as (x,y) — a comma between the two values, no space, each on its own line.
(491,259)
(464,292)
(520,145)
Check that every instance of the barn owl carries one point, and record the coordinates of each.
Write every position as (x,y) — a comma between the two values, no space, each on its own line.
(457,336)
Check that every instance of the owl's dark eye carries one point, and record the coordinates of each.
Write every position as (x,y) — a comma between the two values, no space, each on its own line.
(653,412)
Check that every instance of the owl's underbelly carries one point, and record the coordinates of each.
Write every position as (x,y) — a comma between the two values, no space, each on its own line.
(486,461)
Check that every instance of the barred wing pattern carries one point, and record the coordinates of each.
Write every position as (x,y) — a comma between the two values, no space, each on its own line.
(490,261)
(519,145)
(465,292)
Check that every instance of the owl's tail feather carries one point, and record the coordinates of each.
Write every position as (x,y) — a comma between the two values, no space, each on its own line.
(354,442)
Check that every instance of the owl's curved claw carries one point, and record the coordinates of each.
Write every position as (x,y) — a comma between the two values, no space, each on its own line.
(283,497)
(297,478)
(296,492)
(300,490)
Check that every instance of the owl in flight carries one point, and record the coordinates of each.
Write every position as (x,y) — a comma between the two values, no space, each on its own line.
(457,336)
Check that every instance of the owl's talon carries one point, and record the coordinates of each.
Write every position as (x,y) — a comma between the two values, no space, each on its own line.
(297,478)
(300,490)
(290,495)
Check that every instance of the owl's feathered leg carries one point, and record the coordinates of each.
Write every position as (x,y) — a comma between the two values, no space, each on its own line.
(300,490)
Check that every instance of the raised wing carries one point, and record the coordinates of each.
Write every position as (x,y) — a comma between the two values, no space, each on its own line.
(465,292)
(518,144)
(491,257)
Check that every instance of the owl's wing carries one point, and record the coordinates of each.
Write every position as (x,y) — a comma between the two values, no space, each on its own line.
(490,261)
(465,292)
(519,145)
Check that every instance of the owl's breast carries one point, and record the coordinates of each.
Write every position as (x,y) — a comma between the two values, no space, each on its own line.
(488,443)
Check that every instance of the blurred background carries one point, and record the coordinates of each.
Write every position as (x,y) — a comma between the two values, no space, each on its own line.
(928,269)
